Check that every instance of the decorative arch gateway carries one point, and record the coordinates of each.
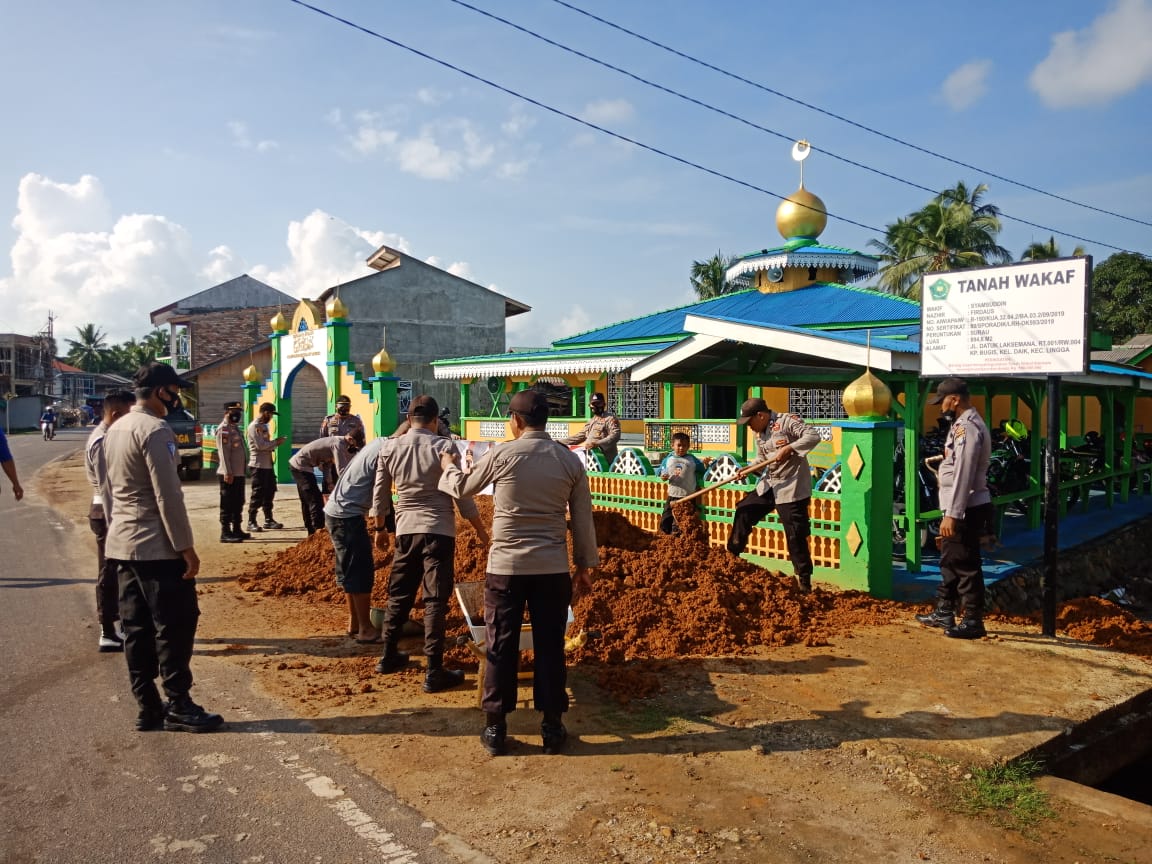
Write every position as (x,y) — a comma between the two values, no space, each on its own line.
(316,339)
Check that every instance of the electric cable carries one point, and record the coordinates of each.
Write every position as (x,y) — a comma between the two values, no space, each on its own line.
(844,119)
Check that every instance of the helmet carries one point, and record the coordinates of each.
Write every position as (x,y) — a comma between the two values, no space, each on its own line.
(1016,430)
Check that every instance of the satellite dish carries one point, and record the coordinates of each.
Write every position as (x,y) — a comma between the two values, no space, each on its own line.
(801,150)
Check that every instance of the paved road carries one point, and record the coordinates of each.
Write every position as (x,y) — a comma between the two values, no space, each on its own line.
(79,786)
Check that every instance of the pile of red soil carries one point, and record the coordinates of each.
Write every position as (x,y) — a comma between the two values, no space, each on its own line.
(1100,622)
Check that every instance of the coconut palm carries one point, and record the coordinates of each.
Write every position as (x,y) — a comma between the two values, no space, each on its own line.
(708,277)
(953,231)
(89,351)
(1047,251)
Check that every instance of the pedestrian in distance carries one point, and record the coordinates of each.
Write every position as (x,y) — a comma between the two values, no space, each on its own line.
(424,558)
(8,464)
(785,485)
(233,459)
(150,539)
(539,484)
(116,405)
(967,514)
(323,453)
(683,471)
(602,432)
(262,460)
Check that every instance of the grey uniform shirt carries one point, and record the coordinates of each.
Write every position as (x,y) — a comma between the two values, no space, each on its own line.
(94,468)
(964,470)
(538,484)
(340,424)
(352,495)
(322,451)
(603,432)
(790,480)
(143,501)
(412,463)
(260,446)
(230,447)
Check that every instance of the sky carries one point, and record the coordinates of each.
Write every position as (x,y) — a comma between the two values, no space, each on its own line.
(152,150)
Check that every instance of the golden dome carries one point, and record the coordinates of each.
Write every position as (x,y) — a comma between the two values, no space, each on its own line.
(801,214)
(336,309)
(867,397)
(252,375)
(279,323)
(383,362)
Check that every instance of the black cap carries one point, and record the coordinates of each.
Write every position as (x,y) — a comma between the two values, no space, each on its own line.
(598,397)
(158,375)
(228,406)
(344,399)
(949,387)
(424,407)
(532,405)
(751,408)
(267,407)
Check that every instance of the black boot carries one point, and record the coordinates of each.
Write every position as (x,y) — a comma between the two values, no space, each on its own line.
(243,535)
(229,537)
(184,715)
(943,616)
(804,582)
(970,628)
(392,661)
(150,718)
(438,678)
(553,733)
(494,737)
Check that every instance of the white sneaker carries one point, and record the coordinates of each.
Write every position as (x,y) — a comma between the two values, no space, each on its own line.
(108,644)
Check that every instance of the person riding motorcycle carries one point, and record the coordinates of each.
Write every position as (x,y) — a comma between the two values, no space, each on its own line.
(48,423)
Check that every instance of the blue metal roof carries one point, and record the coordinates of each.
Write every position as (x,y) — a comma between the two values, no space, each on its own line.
(824,303)
(562,353)
(810,247)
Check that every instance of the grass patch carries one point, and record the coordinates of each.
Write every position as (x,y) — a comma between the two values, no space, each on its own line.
(645,718)
(1007,795)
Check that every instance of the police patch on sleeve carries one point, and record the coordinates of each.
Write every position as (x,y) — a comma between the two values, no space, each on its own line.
(172,450)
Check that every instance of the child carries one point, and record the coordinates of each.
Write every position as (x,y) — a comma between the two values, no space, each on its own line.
(684,473)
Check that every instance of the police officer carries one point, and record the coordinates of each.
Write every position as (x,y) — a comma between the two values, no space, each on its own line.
(342,423)
(116,405)
(539,485)
(261,459)
(230,447)
(967,514)
(785,486)
(322,453)
(601,432)
(150,540)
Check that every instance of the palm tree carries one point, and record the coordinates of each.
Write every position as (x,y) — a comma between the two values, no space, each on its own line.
(90,350)
(1047,251)
(708,277)
(953,231)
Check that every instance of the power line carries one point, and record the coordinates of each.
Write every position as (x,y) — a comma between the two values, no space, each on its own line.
(650,148)
(848,120)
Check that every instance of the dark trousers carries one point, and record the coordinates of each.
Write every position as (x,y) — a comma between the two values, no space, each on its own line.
(960,564)
(420,560)
(263,491)
(793,518)
(158,612)
(107,591)
(311,500)
(231,504)
(547,597)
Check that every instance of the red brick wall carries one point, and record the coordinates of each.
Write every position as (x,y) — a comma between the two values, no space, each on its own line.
(214,335)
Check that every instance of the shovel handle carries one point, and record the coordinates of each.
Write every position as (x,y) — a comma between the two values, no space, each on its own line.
(757,466)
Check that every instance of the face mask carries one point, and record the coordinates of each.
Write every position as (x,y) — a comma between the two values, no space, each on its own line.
(948,416)
(343,409)
(597,409)
(234,416)
(170,402)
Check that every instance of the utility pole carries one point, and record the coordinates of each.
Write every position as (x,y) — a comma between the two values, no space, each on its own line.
(46,356)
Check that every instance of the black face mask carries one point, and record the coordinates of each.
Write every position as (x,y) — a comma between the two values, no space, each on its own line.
(343,409)
(234,417)
(172,403)
(948,416)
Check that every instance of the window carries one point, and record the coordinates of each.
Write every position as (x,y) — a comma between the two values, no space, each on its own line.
(817,404)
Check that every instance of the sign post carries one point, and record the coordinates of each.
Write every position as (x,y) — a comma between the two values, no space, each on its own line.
(1020,320)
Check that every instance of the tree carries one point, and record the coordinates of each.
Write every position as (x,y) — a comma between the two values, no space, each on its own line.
(1122,295)
(709,277)
(1047,251)
(89,351)
(953,231)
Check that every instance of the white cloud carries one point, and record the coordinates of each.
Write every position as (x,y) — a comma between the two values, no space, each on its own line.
(608,111)
(966,85)
(1093,66)
(544,325)
(432,96)
(457,268)
(442,150)
(242,139)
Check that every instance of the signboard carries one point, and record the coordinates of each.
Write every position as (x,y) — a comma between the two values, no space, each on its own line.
(1020,319)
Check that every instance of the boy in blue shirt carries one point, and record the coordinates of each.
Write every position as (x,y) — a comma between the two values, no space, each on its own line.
(684,473)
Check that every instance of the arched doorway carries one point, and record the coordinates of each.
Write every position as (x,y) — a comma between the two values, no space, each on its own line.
(309,395)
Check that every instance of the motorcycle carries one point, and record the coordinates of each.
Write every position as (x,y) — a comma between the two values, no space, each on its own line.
(48,430)
(1010,466)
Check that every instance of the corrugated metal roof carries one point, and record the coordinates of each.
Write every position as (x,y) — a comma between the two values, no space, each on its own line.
(1127,352)
(819,304)
(559,353)
(899,339)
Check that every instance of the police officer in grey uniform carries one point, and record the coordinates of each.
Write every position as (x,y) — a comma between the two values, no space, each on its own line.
(262,461)
(539,485)
(323,453)
(150,539)
(233,458)
(967,514)
(116,405)
(342,423)
(425,539)
(785,486)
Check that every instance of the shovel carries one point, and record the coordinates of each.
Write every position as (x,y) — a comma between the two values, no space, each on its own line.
(750,469)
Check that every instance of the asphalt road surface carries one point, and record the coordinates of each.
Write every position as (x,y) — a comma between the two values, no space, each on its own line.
(79,786)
